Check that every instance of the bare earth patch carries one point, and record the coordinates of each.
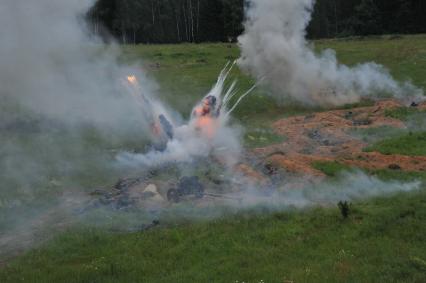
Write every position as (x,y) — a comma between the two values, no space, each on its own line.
(326,136)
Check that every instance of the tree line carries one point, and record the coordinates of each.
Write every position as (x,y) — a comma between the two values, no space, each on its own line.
(342,18)
(174,21)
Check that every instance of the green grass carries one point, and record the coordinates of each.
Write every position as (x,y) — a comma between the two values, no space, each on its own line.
(331,169)
(412,144)
(414,119)
(403,113)
(186,72)
(404,57)
(334,169)
(262,137)
(383,240)
(372,135)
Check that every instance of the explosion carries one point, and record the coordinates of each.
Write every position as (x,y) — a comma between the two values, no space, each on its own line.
(207,133)
(64,98)
(132,80)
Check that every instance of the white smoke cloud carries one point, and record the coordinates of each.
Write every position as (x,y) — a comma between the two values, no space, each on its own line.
(50,65)
(274,48)
(352,186)
(57,83)
(200,137)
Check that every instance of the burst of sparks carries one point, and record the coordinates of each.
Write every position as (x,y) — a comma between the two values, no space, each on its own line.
(132,79)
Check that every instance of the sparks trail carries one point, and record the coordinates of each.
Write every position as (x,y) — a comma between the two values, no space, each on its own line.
(153,112)
(207,133)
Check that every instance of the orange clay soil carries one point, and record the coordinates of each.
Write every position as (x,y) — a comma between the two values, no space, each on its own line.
(325,137)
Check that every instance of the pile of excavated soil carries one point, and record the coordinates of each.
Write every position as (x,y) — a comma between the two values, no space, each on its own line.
(326,136)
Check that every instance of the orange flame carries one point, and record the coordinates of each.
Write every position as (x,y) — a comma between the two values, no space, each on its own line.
(132,79)
(207,125)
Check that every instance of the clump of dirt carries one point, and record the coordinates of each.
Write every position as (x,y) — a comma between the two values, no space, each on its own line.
(326,136)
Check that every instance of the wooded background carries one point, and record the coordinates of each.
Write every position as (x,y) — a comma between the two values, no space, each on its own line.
(174,21)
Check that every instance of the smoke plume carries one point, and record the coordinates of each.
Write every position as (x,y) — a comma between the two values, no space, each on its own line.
(50,65)
(274,48)
(56,81)
(63,107)
(202,136)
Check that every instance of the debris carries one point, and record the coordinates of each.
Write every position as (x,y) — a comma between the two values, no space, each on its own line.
(125,184)
(152,193)
(394,167)
(187,186)
(349,115)
(363,122)
(270,170)
(167,126)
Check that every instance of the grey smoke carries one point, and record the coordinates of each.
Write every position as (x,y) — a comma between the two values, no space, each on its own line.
(214,138)
(63,106)
(352,186)
(56,82)
(50,65)
(274,48)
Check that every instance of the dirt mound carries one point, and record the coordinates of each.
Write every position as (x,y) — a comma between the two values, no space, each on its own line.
(326,136)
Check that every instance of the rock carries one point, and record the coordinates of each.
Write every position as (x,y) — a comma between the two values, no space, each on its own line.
(151,188)
(151,192)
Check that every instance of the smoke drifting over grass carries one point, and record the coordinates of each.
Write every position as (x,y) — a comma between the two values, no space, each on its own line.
(51,69)
(350,186)
(274,48)
(63,95)
(63,107)
(51,66)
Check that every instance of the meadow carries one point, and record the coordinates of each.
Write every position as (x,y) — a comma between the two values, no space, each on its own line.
(381,240)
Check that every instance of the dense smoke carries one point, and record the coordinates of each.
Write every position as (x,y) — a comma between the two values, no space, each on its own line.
(64,108)
(62,94)
(51,66)
(274,47)
(203,136)
(349,186)
(53,72)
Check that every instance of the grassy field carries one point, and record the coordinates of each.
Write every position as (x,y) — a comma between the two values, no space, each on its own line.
(382,240)
(413,144)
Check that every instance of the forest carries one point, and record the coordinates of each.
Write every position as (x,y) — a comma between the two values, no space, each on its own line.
(175,21)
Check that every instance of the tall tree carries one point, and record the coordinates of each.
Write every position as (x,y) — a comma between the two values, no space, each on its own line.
(170,21)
